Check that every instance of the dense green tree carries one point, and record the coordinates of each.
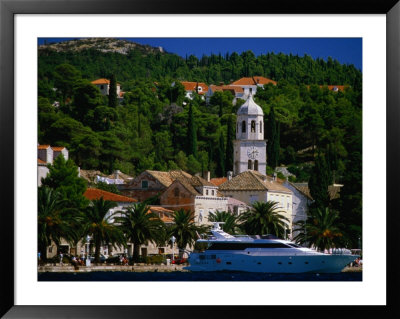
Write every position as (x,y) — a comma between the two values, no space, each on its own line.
(112,149)
(321,230)
(141,226)
(221,102)
(319,182)
(193,165)
(192,133)
(220,171)
(264,218)
(185,230)
(112,94)
(86,97)
(229,144)
(65,76)
(231,225)
(85,149)
(272,136)
(63,177)
(55,220)
(100,225)
(163,146)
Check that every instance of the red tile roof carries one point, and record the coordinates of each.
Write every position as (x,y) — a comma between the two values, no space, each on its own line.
(333,87)
(253,81)
(101,81)
(336,87)
(164,214)
(57,148)
(236,89)
(218,181)
(43,147)
(95,193)
(40,161)
(191,86)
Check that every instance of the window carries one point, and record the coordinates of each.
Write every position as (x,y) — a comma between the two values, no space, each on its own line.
(243,246)
(145,184)
(256,165)
(212,193)
(206,191)
(253,126)
(102,87)
(244,127)
(249,164)
(260,126)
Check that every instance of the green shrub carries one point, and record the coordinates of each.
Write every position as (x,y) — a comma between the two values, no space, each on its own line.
(156,259)
(281,176)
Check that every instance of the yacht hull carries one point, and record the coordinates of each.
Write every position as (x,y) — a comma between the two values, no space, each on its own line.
(318,263)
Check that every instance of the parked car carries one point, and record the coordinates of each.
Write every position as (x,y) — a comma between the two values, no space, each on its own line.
(179,261)
(103,258)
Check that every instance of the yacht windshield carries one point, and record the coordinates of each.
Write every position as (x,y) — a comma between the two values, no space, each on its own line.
(243,246)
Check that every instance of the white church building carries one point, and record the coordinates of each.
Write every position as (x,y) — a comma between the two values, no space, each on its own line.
(249,148)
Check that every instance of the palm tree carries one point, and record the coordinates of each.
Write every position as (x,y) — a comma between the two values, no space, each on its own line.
(321,229)
(141,226)
(102,228)
(230,221)
(264,218)
(55,221)
(185,230)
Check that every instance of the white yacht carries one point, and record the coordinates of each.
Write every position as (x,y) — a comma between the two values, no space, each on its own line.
(266,254)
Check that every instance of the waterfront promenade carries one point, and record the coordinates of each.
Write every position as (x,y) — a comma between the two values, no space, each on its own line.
(135,268)
(130,268)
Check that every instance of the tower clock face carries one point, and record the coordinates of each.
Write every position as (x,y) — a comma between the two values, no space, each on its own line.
(252,152)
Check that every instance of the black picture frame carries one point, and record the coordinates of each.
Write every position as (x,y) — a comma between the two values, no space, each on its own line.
(9,8)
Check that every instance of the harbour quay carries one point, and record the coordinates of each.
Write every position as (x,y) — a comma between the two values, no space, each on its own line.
(130,268)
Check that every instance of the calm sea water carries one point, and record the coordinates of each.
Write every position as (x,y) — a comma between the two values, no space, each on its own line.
(195,276)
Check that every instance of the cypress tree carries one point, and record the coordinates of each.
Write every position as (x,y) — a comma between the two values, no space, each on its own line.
(319,182)
(192,135)
(112,94)
(220,156)
(272,135)
(229,144)
(138,118)
(277,143)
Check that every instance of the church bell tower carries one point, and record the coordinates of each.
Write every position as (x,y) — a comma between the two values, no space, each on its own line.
(249,148)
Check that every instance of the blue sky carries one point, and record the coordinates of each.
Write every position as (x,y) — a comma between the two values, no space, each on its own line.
(345,50)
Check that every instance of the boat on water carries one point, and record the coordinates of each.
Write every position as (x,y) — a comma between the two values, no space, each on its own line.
(266,254)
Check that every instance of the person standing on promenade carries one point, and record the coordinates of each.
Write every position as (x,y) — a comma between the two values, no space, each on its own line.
(61,258)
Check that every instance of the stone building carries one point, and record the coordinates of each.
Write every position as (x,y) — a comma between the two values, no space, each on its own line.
(195,194)
(104,86)
(252,186)
(250,84)
(150,183)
